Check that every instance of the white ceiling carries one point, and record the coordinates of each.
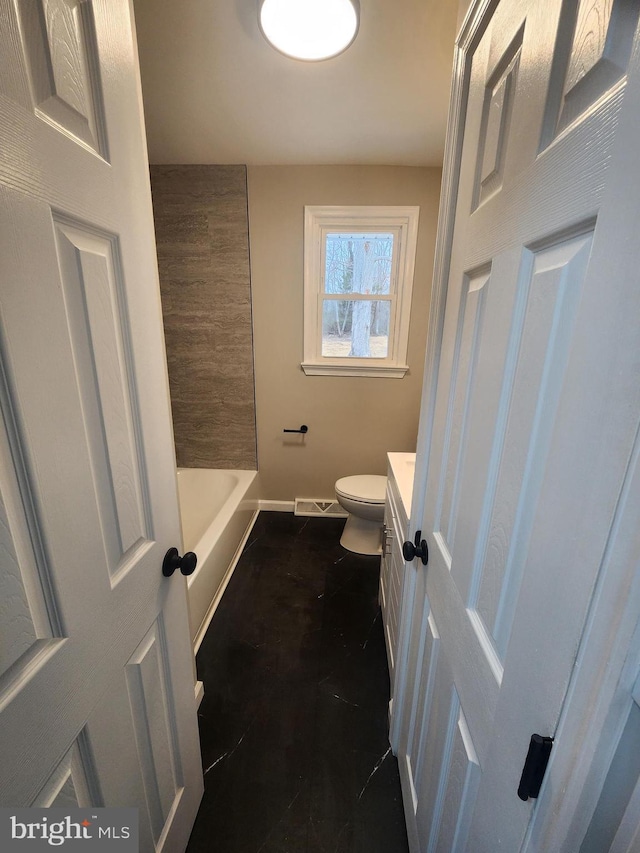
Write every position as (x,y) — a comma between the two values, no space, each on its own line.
(216,92)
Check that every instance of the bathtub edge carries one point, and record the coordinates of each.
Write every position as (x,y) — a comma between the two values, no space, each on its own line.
(202,630)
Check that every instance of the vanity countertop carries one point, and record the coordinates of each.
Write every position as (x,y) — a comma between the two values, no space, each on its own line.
(403,466)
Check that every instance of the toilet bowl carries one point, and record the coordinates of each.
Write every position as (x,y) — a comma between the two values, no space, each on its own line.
(362,496)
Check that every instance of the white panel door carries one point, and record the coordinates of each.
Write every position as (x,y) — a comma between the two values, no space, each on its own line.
(532,404)
(96,670)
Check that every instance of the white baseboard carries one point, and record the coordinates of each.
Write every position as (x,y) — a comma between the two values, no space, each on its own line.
(276,506)
(199,693)
(290,506)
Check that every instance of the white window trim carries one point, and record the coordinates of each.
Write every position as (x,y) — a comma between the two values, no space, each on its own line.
(403,221)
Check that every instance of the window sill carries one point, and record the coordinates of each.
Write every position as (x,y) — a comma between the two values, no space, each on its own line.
(394,371)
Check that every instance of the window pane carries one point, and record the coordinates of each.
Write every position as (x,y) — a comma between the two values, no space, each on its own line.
(358,263)
(356,329)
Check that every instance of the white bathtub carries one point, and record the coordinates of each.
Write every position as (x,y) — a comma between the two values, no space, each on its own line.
(218,509)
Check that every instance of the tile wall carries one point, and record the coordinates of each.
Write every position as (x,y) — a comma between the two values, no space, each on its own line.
(202,235)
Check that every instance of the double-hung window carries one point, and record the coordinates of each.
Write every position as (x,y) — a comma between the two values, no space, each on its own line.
(358,277)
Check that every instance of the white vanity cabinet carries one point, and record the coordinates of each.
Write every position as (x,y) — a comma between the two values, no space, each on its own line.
(396,517)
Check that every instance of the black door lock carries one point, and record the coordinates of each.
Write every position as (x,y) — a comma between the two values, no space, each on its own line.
(535,766)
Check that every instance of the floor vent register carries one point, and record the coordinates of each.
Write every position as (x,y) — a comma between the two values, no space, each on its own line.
(316,507)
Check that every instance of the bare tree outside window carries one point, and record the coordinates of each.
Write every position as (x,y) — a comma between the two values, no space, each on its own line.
(357,265)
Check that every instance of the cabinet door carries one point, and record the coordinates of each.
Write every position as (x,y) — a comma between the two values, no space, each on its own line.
(391,576)
(396,568)
(386,561)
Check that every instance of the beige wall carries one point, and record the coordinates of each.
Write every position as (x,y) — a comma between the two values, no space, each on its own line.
(202,235)
(463,8)
(353,422)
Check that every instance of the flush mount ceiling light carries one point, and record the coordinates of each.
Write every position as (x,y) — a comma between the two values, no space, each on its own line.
(309,29)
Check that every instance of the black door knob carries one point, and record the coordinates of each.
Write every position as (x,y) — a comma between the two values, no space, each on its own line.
(417,548)
(172,561)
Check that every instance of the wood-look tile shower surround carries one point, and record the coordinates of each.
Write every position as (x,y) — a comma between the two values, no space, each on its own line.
(202,235)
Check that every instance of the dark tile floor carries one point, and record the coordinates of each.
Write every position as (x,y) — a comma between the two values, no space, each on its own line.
(293,725)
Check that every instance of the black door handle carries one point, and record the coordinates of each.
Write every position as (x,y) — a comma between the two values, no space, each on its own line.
(417,548)
(172,561)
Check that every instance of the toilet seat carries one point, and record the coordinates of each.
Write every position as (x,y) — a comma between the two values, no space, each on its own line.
(366,488)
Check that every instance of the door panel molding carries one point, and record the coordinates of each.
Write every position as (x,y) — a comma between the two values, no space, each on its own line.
(61,54)
(146,678)
(591,56)
(97,316)
(74,782)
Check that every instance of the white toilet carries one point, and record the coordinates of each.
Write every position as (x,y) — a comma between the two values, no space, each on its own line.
(363,498)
